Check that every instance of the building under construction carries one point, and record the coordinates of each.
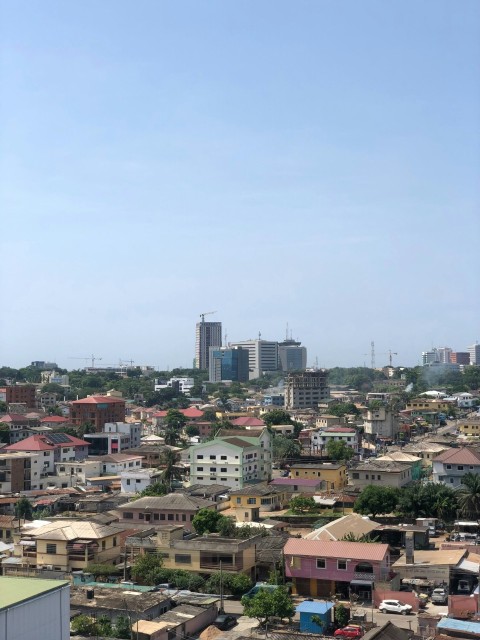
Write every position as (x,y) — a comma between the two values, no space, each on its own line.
(306,389)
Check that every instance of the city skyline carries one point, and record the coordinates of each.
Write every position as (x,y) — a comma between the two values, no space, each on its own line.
(307,162)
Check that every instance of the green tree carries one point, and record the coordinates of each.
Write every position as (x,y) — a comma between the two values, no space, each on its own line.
(276,416)
(301,504)
(4,433)
(352,537)
(206,521)
(84,625)
(171,437)
(3,406)
(192,430)
(102,569)
(339,450)
(122,628)
(147,568)
(175,420)
(226,527)
(343,408)
(428,499)
(155,489)
(52,387)
(24,509)
(169,460)
(374,500)
(469,495)
(285,449)
(266,604)
(341,615)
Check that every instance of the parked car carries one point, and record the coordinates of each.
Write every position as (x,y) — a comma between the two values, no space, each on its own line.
(394,606)
(224,622)
(439,596)
(351,631)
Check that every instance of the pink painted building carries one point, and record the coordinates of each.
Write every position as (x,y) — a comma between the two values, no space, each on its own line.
(321,568)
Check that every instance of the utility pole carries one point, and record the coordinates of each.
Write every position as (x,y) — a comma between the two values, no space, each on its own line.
(372,346)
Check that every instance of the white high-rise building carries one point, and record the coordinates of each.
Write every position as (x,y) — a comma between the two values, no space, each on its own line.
(474,352)
(262,356)
(444,354)
(208,334)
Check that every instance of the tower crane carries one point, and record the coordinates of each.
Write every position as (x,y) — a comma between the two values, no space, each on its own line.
(92,358)
(207,313)
(391,353)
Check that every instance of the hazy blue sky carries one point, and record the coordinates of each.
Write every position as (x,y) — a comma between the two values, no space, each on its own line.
(315,163)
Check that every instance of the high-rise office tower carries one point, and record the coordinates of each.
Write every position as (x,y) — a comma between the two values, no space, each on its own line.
(292,356)
(228,364)
(262,356)
(208,334)
(474,352)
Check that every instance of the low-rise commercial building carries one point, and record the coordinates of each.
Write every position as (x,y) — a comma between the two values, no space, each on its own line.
(332,475)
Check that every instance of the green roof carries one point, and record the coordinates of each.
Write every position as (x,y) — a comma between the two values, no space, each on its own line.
(13,590)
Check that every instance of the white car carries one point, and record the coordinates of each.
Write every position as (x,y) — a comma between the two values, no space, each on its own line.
(394,606)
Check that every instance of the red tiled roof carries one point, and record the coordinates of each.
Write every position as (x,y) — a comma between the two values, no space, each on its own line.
(42,443)
(335,549)
(56,419)
(248,422)
(191,412)
(13,417)
(464,455)
(98,400)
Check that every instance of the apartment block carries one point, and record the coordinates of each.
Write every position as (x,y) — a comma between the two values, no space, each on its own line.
(97,410)
(306,389)
(21,394)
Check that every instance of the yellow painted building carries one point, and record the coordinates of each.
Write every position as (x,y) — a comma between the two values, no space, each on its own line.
(469,426)
(254,498)
(200,554)
(421,404)
(332,475)
(67,545)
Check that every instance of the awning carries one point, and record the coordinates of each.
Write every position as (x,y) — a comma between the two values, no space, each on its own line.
(362,583)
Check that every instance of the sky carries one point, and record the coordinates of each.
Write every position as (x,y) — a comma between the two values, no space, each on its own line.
(314,163)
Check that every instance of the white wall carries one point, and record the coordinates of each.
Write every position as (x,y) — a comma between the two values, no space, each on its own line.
(46,617)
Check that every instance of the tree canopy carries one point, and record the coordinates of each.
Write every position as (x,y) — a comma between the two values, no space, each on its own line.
(302,504)
(469,495)
(266,604)
(339,450)
(374,500)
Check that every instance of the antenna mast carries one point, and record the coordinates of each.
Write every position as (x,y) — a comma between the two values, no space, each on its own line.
(372,345)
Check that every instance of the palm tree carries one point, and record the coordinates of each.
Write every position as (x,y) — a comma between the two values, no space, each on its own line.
(469,495)
(169,460)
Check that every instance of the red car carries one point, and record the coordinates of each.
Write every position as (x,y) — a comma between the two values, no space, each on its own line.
(349,632)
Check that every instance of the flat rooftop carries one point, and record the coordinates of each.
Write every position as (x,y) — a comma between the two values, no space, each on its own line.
(14,590)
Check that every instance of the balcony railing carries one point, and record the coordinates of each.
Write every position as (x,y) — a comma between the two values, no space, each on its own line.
(364,575)
(226,566)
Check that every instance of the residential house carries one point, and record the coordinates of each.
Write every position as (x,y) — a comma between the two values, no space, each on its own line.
(249,422)
(192,414)
(319,568)
(379,472)
(54,422)
(235,460)
(423,406)
(453,464)
(407,458)
(352,523)
(19,426)
(137,480)
(426,450)
(7,526)
(380,423)
(304,486)
(151,453)
(155,511)
(54,447)
(319,438)
(115,463)
(68,545)
(97,410)
(249,501)
(47,400)
(201,554)
(115,438)
(20,471)
(469,426)
(185,621)
(327,420)
(283,429)
(112,603)
(332,475)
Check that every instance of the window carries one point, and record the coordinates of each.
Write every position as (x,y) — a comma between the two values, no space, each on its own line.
(104,544)
(51,549)
(223,470)
(342,565)
(252,501)
(355,476)
(321,563)
(213,457)
(155,516)
(128,481)
(162,516)
(239,501)
(460,467)
(184,517)
(223,479)
(223,457)
(170,516)
(181,558)
(213,469)
(127,515)
(199,468)
(448,466)
(199,457)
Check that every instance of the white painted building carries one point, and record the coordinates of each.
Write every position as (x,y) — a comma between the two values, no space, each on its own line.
(320,438)
(184,385)
(34,609)
(262,356)
(233,461)
(136,480)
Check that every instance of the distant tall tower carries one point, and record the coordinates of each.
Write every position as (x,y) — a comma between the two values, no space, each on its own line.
(208,334)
